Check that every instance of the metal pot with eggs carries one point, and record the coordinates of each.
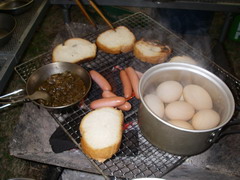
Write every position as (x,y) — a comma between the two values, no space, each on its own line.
(156,119)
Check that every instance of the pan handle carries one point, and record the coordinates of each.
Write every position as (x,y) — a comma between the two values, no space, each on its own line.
(233,127)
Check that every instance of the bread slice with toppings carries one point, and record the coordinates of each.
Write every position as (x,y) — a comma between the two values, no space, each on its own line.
(101,131)
(119,40)
(74,50)
(151,52)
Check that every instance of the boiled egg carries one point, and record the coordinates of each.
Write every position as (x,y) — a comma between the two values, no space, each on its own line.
(169,91)
(155,104)
(197,96)
(205,119)
(181,124)
(180,110)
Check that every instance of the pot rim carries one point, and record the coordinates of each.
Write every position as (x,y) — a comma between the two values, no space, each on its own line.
(192,68)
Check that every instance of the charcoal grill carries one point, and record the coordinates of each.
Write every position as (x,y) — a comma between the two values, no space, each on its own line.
(136,157)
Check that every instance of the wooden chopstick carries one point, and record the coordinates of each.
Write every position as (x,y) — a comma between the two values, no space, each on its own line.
(85,12)
(101,14)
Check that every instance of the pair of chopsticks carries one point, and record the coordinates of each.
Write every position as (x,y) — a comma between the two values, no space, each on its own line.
(98,11)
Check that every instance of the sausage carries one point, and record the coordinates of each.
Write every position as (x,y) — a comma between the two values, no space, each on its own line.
(127,87)
(100,80)
(107,94)
(125,107)
(134,80)
(139,74)
(108,102)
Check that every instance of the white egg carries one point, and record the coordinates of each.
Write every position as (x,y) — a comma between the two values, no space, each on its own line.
(181,124)
(205,119)
(197,96)
(183,59)
(179,110)
(155,104)
(169,91)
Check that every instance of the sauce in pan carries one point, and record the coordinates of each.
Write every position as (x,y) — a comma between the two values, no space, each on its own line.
(63,88)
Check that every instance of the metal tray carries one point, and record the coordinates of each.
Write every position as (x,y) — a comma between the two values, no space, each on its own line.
(15,6)
(136,157)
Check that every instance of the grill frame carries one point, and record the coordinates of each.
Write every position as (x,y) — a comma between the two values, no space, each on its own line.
(129,162)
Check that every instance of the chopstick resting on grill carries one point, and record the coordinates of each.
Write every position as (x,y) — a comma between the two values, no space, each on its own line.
(85,12)
(101,14)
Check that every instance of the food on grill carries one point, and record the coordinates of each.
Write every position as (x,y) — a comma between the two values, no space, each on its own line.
(155,104)
(179,110)
(100,80)
(101,132)
(74,50)
(127,87)
(107,102)
(205,119)
(197,96)
(181,124)
(183,59)
(134,80)
(125,107)
(64,89)
(119,40)
(169,91)
(151,52)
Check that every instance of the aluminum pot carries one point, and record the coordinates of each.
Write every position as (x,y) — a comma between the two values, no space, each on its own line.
(174,139)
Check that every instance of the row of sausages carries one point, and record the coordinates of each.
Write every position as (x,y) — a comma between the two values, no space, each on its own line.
(130,80)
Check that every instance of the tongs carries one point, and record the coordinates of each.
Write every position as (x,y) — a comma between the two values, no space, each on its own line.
(98,11)
(20,96)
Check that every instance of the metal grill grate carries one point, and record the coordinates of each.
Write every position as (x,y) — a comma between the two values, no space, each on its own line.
(136,157)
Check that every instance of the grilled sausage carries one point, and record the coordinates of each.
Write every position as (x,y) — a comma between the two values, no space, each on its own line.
(100,80)
(127,87)
(134,80)
(125,107)
(107,102)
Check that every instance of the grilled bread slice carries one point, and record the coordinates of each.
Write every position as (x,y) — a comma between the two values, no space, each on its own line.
(151,52)
(74,50)
(101,131)
(119,40)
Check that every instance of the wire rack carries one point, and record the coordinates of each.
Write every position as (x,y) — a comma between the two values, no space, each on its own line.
(136,157)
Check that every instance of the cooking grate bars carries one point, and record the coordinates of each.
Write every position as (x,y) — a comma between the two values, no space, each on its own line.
(136,157)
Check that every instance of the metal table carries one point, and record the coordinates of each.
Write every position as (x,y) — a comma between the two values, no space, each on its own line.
(12,52)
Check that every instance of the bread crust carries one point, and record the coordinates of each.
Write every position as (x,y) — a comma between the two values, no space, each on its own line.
(154,57)
(59,47)
(101,154)
(122,48)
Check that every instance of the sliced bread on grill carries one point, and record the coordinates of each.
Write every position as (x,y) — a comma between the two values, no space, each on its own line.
(151,52)
(101,131)
(119,40)
(74,50)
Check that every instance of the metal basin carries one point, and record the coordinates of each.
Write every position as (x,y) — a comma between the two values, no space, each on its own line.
(15,6)
(7,27)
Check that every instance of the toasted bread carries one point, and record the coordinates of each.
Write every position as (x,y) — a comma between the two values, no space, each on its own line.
(74,50)
(151,52)
(101,131)
(119,40)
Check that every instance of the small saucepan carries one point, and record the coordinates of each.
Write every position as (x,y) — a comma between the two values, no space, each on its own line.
(177,140)
(7,27)
(66,84)
(15,6)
